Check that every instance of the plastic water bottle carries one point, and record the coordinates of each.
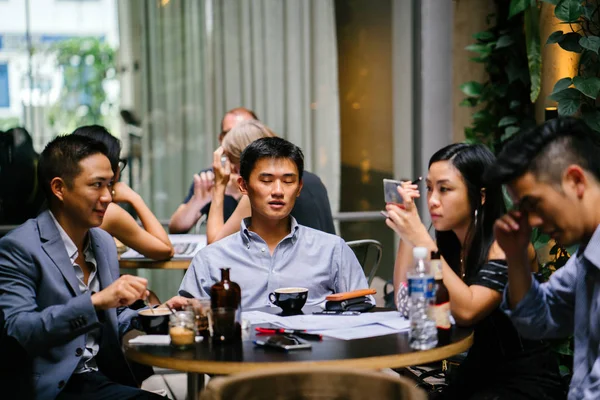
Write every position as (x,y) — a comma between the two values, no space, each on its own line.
(421,291)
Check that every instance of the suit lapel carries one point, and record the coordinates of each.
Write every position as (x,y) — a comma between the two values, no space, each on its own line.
(104,275)
(54,247)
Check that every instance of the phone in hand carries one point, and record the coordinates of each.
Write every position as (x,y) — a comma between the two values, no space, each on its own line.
(390,191)
(283,342)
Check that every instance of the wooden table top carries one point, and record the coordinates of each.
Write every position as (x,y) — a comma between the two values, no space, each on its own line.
(389,351)
(174,263)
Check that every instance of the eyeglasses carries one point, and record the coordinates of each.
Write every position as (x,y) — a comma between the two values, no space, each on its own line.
(122,164)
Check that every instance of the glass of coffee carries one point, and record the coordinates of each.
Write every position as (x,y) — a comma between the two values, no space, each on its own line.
(289,299)
(202,311)
(182,329)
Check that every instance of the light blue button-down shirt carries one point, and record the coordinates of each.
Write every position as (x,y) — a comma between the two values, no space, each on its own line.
(569,303)
(87,362)
(306,257)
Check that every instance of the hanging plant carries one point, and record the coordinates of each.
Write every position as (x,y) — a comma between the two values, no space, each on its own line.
(577,95)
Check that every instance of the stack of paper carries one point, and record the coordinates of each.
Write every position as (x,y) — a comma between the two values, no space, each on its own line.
(337,326)
(186,246)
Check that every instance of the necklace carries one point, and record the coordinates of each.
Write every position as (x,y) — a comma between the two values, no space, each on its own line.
(462,264)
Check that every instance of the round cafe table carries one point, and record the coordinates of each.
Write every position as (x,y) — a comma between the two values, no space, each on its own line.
(389,351)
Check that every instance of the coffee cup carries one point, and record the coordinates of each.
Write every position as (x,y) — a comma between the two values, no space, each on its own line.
(154,321)
(289,299)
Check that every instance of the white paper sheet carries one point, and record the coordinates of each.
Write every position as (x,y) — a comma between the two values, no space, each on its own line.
(359,332)
(158,340)
(186,246)
(259,317)
(399,324)
(321,322)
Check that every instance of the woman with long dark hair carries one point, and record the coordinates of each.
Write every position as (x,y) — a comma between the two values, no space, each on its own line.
(500,364)
(151,240)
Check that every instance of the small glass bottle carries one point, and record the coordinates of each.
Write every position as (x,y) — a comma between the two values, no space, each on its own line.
(182,329)
(441,308)
(225,299)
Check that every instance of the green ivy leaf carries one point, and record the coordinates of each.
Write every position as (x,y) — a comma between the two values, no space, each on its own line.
(569,93)
(509,132)
(517,7)
(484,36)
(588,86)
(554,2)
(554,37)
(508,120)
(592,119)
(534,55)
(482,49)
(471,88)
(568,107)
(570,42)
(514,104)
(561,85)
(504,41)
(541,241)
(591,43)
(568,10)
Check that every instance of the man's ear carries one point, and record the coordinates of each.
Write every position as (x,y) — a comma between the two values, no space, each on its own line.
(574,177)
(242,185)
(300,186)
(58,186)
(482,192)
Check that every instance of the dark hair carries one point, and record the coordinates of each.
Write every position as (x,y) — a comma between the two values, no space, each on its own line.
(61,158)
(270,147)
(471,160)
(547,150)
(100,134)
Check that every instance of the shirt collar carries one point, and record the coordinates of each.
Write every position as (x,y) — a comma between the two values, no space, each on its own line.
(592,249)
(246,234)
(68,242)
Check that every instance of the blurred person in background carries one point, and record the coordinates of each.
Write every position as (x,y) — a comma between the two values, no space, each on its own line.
(312,208)
(198,201)
(152,240)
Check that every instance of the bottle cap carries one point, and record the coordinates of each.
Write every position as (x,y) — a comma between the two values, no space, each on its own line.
(420,252)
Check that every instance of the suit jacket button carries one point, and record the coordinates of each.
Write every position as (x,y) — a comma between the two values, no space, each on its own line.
(61,384)
(79,352)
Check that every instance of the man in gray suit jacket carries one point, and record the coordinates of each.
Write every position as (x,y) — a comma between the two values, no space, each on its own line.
(63,303)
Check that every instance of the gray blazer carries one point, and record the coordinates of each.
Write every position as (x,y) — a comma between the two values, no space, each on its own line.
(46,314)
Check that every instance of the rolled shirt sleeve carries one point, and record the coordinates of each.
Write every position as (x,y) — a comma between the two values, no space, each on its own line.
(547,310)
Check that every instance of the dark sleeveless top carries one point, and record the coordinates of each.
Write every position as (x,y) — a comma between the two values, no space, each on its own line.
(501,362)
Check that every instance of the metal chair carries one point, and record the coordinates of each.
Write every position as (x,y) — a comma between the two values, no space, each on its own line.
(302,383)
(368,252)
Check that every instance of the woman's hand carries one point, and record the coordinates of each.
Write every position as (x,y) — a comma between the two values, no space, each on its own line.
(122,193)
(222,171)
(404,218)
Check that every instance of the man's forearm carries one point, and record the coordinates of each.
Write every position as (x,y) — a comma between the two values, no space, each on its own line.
(186,215)
(519,278)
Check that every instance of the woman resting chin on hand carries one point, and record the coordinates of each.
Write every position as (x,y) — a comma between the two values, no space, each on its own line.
(500,364)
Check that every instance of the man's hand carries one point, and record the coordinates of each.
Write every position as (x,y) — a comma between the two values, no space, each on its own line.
(513,233)
(222,170)
(122,292)
(203,185)
(178,302)
(404,218)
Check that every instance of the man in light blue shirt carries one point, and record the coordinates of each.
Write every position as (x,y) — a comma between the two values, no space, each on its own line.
(271,250)
(553,174)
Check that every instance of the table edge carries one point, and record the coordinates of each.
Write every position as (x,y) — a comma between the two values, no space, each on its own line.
(376,362)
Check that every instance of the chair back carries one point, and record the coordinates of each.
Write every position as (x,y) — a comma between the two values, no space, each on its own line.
(307,383)
(368,252)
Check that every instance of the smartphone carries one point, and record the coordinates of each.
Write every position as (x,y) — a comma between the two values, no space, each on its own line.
(284,342)
(390,191)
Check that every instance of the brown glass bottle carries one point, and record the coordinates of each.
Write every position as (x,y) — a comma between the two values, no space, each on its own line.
(225,302)
(441,308)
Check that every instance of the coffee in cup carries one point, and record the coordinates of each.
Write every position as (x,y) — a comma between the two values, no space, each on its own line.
(154,321)
(290,299)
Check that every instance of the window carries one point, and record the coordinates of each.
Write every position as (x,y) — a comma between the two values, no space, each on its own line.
(4,93)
